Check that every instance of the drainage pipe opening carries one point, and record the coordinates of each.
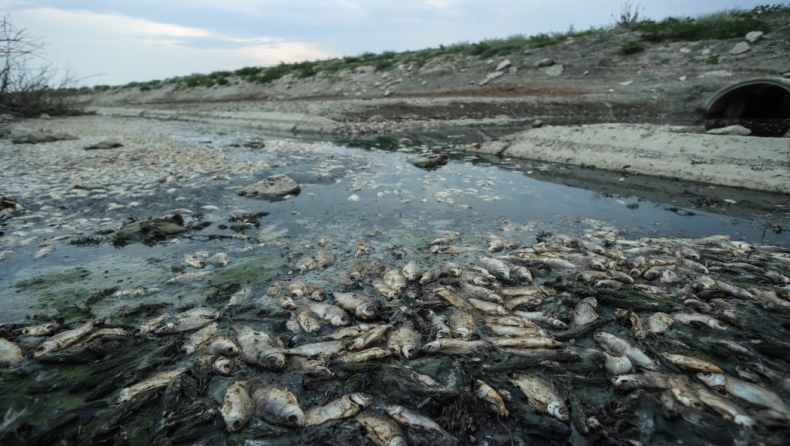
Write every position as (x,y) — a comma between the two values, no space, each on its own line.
(761,105)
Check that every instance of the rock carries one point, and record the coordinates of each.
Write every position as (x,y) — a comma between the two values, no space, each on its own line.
(716,73)
(45,117)
(29,136)
(537,124)
(753,36)
(104,145)
(554,70)
(504,64)
(376,118)
(735,130)
(6,117)
(685,50)
(274,187)
(429,161)
(490,77)
(148,231)
(740,48)
(254,144)
(544,63)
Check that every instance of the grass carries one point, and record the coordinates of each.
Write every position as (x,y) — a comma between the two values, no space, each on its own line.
(722,25)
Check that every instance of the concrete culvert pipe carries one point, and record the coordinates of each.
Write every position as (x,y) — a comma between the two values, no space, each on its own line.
(762,105)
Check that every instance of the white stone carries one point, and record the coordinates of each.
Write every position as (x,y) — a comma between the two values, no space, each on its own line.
(504,64)
(753,36)
(544,63)
(490,77)
(716,73)
(626,83)
(685,50)
(554,70)
(682,78)
(740,48)
(272,187)
(734,130)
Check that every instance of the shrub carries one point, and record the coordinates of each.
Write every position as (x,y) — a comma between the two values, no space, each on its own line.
(632,47)
(715,26)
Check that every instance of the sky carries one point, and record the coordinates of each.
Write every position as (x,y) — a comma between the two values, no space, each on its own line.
(118,41)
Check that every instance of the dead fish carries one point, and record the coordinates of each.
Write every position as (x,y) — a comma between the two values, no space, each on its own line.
(734,291)
(491,397)
(43,252)
(751,393)
(222,346)
(430,276)
(488,307)
(10,353)
(439,323)
(541,318)
(219,259)
(521,273)
(646,380)
(195,262)
(520,291)
(495,266)
(305,264)
(349,332)
(398,254)
(303,365)
(363,268)
(188,277)
(199,339)
(621,277)
(41,330)
(362,355)
(286,303)
(454,346)
(395,280)
(567,241)
(495,244)
(362,248)
(584,313)
(462,323)
(323,240)
(188,320)
(343,407)
(124,294)
(363,306)
(307,322)
(296,288)
(259,348)
(525,301)
(150,325)
(324,348)
(452,249)
(481,293)
(668,277)
(617,365)
(383,289)
(369,337)
(324,258)
(414,420)
(330,313)
(155,382)
(405,342)
(558,263)
(451,269)
(239,297)
(694,304)
(5,255)
(63,340)
(525,342)
(412,271)
(659,322)
(274,289)
(223,365)
(237,406)
(381,431)
(278,406)
(692,364)
(542,396)
(687,318)
(620,347)
(526,329)
(725,408)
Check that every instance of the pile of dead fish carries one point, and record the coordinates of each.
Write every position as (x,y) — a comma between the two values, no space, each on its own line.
(694,328)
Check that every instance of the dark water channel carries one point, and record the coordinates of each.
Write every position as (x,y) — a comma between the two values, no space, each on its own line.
(351,191)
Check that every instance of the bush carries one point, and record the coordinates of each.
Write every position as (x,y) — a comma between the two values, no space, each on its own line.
(716,26)
(632,47)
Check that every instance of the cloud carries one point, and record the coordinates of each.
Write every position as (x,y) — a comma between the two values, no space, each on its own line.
(118,49)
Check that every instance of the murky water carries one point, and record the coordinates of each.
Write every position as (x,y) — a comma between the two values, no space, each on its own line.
(348,195)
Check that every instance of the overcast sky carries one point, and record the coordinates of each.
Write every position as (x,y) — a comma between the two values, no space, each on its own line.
(118,41)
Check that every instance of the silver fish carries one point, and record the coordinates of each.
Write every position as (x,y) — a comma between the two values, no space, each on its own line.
(414,420)
(199,339)
(491,397)
(362,305)
(222,346)
(439,323)
(362,355)
(405,341)
(369,337)
(330,313)
(195,262)
(259,348)
(495,267)
(324,258)
(41,330)
(324,348)
(617,365)
(687,318)
(692,364)
(383,289)
(395,280)
(155,382)
(745,391)
(188,277)
(63,340)
(381,431)
(584,313)
(412,271)
(302,365)
(454,346)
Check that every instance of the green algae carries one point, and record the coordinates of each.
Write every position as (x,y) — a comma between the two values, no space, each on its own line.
(49,280)
(257,270)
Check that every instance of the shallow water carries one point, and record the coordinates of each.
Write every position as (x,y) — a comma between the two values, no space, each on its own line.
(348,194)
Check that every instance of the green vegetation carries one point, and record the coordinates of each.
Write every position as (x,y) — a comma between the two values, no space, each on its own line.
(632,47)
(723,25)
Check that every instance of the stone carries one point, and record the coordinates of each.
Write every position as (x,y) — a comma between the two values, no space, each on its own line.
(544,63)
(274,187)
(504,64)
(376,118)
(104,145)
(9,207)
(45,117)
(29,136)
(733,130)
(740,48)
(716,73)
(537,124)
(490,77)
(554,70)
(753,36)
(429,161)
